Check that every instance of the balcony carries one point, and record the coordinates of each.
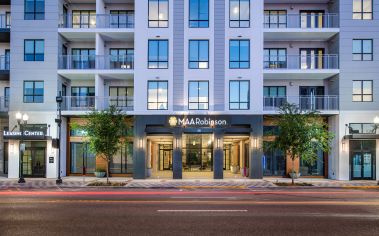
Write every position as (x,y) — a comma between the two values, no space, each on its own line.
(117,27)
(324,103)
(88,103)
(4,67)
(4,105)
(300,66)
(287,27)
(5,26)
(117,67)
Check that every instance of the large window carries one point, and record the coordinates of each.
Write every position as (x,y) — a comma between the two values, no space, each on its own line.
(198,95)
(6,96)
(121,58)
(158,13)
(34,9)
(82,161)
(239,54)
(239,13)
(313,169)
(33,91)
(122,161)
(121,96)
(239,95)
(275,19)
(274,162)
(362,128)
(83,58)
(157,95)
(122,19)
(362,9)
(83,96)
(34,50)
(275,58)
(362,50)
(362,91)
(84,19)
(197,152)
(198,54)
(158,54)
(198,13)
(274,96)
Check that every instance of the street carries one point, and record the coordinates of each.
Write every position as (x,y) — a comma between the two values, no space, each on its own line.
(283,211)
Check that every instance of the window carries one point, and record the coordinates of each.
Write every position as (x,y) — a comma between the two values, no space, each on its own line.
(239,95)
(275,58)
(122,161)
(34,50)
(362,9)
(121,58)
(274,91)
(122,19)
(83,96)
(158,13)
(84,19)
(239,54)
(362,50)
(239,13)
(362,128)
(275,19)
(198,13)
(198,54)
(7,20)
(33,91)
(6,96)
(157,95)
(158,54)
(121,96)
(83,58)
(198,95)
(34,9)
(362,91)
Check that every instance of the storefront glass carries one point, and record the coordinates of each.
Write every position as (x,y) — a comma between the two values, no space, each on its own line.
(82,160)
(34,159)
(313,169)
(122,161)
(274,163)
(197,152)
(165,157)
(362,158)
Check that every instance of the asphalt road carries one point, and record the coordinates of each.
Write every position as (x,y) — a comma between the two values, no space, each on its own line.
(189,212)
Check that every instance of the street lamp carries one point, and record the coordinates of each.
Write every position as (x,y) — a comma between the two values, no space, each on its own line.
(22,119)
(59,100)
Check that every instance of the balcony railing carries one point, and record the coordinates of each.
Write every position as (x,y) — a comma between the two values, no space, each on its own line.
(87,103)
(303,62)
(112,21)
(4,62)
(109,62)
(302,21)
(316,103)
(4,104)
(5,21)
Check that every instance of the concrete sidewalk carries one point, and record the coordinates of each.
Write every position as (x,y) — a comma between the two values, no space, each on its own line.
(243,183)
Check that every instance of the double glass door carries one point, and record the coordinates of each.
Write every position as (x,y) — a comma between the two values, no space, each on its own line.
(82,160)
(312,19)
(311,58)
(311,97)
(165,156)
(362,154)
(34,162)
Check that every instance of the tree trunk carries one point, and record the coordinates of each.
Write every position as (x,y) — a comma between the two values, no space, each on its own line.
(107,169)
(293,171)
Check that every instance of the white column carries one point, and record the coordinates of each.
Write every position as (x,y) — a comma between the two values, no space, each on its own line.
(100,101)
(13,159)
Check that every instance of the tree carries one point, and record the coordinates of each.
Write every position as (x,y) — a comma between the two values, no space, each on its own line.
(105,131)
(301,134)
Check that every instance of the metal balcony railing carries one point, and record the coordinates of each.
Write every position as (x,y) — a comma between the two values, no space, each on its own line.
(5,21)
(314,103)
(4,62)
(87,21)
(301,21)
(303,62)
(109,62)
(4,104)
(87,103)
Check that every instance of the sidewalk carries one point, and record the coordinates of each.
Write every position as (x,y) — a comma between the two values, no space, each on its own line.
(76,182)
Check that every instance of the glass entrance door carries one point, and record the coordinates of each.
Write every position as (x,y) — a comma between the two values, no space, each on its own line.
(165,157)
(312,19)
(82,160)
(362,159)
(311,58)
(34,162)
(311,98)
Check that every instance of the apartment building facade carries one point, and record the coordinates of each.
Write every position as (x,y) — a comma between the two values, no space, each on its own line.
(200,80)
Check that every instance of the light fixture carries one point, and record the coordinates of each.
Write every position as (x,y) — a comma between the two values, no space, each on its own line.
(376,120)
(25,117)
(193,143)
(218,143)
(141,143)
(18,116)
(255,142)
(343,145)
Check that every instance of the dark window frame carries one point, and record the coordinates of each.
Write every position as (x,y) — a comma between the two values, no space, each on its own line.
(34,54)
(239,54)
(6,96)
(361,128)
(269,24)
(277,89)
(89,13)
(276,63)
(128,13)
(239,16)
(198,53)
(198,95)
(158,21)
(363,94)
(157,103)
(198,17)
(239,95)
(34,13)
(33,95)
(122,101)
(362,54)
(362,13)
(158,61)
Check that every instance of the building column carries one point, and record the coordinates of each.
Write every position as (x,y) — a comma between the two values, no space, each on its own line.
(177,165)
(140,148)
(218,154)
(256,148)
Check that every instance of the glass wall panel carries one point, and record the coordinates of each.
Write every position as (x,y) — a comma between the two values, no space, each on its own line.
(197,152)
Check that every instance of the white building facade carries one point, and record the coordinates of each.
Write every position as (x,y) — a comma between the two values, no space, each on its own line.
(200,80)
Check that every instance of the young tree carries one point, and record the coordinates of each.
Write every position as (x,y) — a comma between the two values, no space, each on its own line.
(301,134)
(105,131)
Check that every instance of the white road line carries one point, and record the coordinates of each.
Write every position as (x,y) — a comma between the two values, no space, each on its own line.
(201,210)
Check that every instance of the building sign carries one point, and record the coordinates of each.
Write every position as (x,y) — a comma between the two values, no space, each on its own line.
(197,121)
(28,134)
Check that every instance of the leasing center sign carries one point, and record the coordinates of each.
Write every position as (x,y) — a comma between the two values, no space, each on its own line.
(197,121)
(27,134)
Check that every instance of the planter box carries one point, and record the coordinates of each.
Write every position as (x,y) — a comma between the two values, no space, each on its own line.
(100,174)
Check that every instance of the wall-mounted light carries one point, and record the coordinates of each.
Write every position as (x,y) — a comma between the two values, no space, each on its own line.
(141,143)
(218,143)
(255,142)
(291,83)
(177,143)
(344,146)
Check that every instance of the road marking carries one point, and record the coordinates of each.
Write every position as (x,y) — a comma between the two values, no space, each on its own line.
(231,198)
(202,210)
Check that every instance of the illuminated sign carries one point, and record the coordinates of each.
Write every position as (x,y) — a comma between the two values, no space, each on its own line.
(27,134)
(197,121)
